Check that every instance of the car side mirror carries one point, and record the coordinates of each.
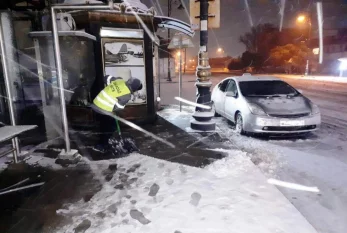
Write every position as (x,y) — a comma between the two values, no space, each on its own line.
(231,94)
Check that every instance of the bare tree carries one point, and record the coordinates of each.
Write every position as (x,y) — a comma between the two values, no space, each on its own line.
(261,39)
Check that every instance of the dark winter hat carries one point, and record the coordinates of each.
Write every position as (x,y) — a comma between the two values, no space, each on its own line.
(134,84)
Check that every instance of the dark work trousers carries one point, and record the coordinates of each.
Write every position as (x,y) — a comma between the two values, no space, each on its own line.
(107,125)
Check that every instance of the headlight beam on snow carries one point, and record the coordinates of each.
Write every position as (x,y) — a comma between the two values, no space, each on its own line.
(192,103)
(293,185)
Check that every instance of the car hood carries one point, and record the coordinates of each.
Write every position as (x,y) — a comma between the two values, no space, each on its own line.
(282,105)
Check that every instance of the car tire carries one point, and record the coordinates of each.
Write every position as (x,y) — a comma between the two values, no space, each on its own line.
(214,110)
(239,124)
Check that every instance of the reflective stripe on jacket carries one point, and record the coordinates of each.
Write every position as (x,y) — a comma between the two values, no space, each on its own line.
(107,98)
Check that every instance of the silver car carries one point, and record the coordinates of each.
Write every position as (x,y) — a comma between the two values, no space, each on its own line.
(261,104)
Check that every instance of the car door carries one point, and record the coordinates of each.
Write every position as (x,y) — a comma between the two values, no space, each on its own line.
(231,98)
(219,96)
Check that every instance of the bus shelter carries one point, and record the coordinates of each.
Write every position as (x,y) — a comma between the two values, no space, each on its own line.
(115,39)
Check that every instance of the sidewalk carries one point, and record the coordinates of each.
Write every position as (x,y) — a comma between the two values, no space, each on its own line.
(191,188)
(229,195)
(34,210)
(191,77)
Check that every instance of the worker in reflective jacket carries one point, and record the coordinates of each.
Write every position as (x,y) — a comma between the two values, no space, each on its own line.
(117,93)
(111,99)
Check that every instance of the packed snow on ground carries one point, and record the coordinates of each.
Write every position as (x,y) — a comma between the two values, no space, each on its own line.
(318,160)
(230,195)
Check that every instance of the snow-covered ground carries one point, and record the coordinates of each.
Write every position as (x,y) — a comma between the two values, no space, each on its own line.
(317,161)
(230,195)
(315,77)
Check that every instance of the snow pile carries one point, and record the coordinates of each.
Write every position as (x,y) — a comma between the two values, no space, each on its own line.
(232,165)
(259,151)
(150,195)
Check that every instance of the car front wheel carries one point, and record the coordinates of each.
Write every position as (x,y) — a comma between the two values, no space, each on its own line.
(239,124)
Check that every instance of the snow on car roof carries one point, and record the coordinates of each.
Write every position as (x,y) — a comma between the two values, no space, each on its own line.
(246,78)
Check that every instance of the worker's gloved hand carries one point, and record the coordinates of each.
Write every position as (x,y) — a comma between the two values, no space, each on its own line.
(116,110)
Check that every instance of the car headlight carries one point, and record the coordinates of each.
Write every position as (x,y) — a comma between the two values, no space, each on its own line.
(314,109)
(256,110)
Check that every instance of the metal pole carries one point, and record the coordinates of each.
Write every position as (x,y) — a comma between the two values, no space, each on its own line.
(180,78)
(15,142)
(168,38)
(203,117)
(308,46)
(60,79)
(158,73)
(185,60)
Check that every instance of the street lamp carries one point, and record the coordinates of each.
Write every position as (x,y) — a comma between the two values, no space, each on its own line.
(303,19)
(219,50)
(203,117)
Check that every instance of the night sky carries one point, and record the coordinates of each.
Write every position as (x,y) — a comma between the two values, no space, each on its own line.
(235,20)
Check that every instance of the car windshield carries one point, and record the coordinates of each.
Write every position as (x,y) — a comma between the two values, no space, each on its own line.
(266,88)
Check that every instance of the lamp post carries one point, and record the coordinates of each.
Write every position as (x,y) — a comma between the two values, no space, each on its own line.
(203,117)
(303,19)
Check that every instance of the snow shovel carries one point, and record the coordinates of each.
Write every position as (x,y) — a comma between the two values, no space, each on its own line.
(120,145)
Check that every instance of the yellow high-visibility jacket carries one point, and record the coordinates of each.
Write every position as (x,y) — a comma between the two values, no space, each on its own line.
(114,96)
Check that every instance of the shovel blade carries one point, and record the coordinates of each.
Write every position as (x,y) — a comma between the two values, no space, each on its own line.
(129,144)
(122,145)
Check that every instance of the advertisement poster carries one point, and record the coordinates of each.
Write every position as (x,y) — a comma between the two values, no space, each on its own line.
(125,59)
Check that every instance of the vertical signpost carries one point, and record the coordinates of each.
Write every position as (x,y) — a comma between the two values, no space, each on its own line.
(180,41)
(168,37)
(204,14)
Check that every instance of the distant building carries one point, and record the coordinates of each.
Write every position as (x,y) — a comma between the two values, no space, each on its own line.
(334,48)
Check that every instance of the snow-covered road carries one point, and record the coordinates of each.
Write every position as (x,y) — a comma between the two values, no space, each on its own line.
(320,160)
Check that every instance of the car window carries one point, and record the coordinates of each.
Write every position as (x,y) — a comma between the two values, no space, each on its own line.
(266,88)
(223,85)
(232,87)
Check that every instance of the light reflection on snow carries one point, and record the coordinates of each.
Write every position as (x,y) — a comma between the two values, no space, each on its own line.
(293,185)
(192,103)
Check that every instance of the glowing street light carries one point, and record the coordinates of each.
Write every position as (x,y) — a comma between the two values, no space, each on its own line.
(178,54)
(219,50)
(315,51)
(301,18)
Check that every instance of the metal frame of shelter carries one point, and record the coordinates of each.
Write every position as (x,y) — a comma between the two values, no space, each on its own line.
(59,68)
(162,22)
(9,96)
